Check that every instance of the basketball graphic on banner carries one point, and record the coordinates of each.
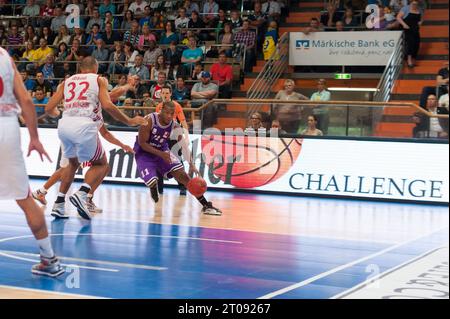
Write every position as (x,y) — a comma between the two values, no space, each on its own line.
(249,162)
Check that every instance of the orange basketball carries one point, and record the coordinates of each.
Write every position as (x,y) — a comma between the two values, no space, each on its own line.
(197,186)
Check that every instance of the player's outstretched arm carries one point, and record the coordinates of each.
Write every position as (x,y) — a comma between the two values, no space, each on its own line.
(118,91)
(51,109)
(107,135)
(182,136)
(29,114)
(109,107)
(182,119)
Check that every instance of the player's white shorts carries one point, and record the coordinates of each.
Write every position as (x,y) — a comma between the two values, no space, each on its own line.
(13,175)
(79,138)
(64,161)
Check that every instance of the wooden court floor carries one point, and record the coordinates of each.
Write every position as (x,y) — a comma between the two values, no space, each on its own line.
(262,246)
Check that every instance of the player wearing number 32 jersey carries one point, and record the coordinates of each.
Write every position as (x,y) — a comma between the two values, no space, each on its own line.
(84,95)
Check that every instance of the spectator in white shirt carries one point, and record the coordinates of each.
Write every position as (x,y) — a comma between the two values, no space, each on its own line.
(272,9)
(321,111)
(182,21)
(427,126)
(190,7)
(289,115)
(210,11)
(96,19)
(397,5)
(138,7)
(443,100)
(31,9)
(58,20)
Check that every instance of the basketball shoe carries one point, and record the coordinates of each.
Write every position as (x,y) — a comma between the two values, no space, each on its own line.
(183,191)
(92,207)
(154,194)
(80,201)
(48,267)
(39,196)
(161,185)
(209,209)
(59,210)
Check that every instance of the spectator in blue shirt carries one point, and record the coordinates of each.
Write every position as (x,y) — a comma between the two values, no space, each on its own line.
(191,55)
(29,83)
(169,34)
(105,7)
(109,18)
(92,37)
(101,53)
(47,69)
(147,18)
(181,92)
(139,69)
(40,98)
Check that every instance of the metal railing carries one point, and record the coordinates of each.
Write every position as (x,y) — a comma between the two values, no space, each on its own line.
(344,118)
(272,71)
(338,118)
(391,72)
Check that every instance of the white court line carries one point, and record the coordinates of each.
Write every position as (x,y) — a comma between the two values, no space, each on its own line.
(10,254)
(128,235)
(108,263)
(161,236)
(342,267)
(50,292)
(92,261)
(384,274)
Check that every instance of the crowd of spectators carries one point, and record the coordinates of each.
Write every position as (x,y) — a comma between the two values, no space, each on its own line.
(342,15)
(160,43)
(289,118)
(167,43)
(434,99)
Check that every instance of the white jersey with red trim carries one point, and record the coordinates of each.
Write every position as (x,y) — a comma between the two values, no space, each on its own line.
(81,97)
(8,102)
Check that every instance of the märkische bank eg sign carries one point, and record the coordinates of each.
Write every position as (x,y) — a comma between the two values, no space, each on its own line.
(342,48)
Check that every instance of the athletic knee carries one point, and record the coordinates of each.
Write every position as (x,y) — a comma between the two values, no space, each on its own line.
(73,163)
(106,168)
(183,178)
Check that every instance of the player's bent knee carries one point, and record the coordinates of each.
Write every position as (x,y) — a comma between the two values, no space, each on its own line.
(73,162)
(181,176)
(100,162)
(107,167)
(28,205)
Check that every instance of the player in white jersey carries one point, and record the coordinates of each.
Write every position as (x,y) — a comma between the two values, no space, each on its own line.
(40,193)
(84,96)
(13,176)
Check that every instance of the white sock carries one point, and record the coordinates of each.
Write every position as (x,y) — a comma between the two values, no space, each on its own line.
(43,190)
(87,187)
(45,247)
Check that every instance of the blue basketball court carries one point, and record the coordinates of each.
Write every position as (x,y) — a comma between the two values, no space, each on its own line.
(128,254)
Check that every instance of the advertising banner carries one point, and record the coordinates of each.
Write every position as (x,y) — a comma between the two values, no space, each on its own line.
(342,48)
(363,169)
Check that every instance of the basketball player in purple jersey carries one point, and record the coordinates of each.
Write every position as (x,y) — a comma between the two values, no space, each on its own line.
(13,176)
(153,155)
